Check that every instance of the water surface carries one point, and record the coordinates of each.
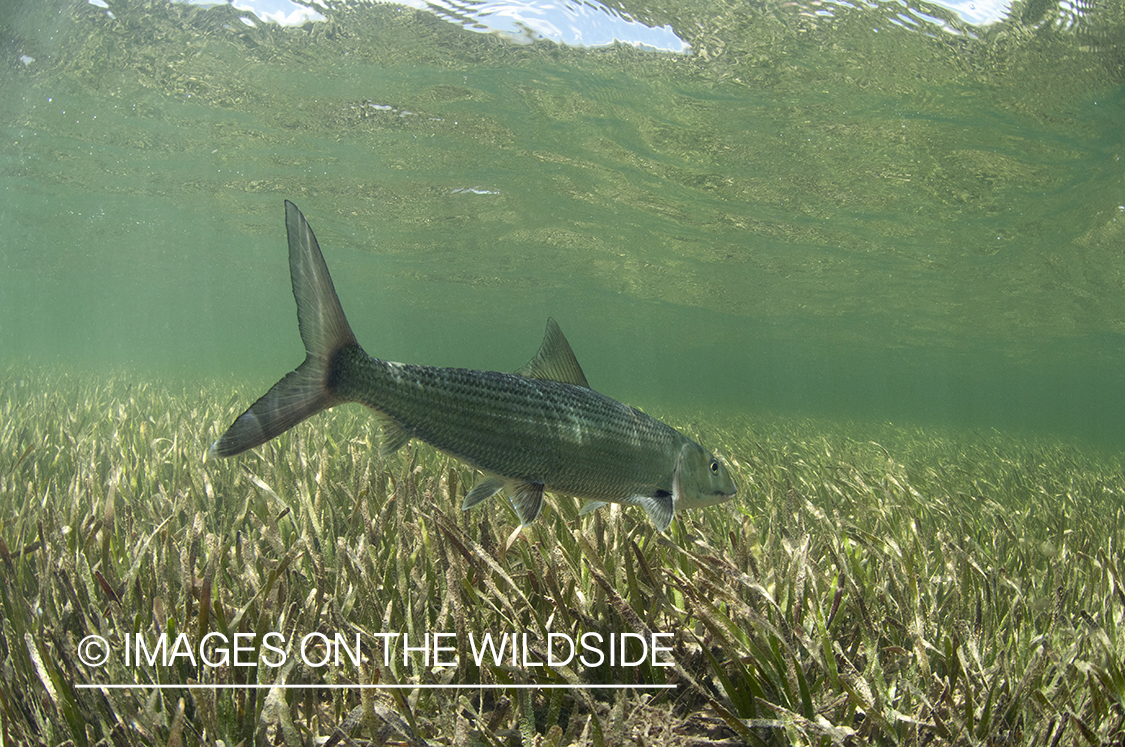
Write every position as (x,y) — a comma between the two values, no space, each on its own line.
(867,210)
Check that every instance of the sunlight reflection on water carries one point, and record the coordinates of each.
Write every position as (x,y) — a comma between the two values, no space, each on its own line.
(585,23)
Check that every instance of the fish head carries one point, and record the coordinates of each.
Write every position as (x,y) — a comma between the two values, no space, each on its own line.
(701,478)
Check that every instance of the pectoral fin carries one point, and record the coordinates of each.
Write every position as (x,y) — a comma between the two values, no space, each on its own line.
(660,508)
(528,500)
(482,491)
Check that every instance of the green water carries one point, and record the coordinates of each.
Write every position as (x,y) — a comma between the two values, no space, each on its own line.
(831,214)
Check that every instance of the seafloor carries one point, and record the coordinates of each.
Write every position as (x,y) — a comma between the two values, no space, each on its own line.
(870,583)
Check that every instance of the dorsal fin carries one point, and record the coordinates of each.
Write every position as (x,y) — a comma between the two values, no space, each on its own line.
(555,360)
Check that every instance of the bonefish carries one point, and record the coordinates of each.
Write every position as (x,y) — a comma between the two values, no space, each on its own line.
(541,429)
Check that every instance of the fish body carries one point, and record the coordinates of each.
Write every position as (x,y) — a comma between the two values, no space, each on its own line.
(541,429)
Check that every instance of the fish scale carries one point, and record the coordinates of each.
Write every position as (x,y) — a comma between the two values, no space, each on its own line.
(510,425)
(540,429)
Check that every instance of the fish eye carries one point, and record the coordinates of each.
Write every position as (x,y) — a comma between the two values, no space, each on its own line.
(715,466)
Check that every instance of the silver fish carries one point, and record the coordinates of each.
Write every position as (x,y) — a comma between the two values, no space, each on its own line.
(540,429)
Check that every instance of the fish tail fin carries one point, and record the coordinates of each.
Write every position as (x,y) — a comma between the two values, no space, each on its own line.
(325,332)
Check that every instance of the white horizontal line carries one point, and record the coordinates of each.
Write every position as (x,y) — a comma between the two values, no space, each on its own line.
(199,686)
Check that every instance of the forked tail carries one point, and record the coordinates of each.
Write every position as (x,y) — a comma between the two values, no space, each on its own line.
(324,330)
